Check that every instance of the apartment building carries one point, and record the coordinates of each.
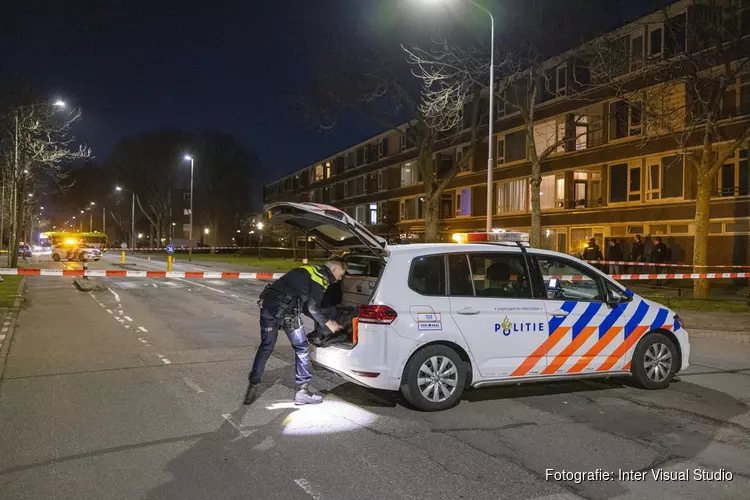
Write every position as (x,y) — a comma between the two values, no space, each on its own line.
(603,181)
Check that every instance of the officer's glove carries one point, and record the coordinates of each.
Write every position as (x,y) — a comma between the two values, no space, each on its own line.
(333,326)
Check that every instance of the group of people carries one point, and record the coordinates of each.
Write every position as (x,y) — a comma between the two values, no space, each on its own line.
(659,254)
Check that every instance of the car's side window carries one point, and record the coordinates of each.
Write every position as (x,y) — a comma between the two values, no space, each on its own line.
(500,274)
(460,276)
(427,275)
(564,280)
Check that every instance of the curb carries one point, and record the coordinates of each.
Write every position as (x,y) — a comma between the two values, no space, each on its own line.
(741,337)
(6,333)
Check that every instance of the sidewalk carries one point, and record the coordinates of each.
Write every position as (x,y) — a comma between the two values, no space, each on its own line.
(727,326)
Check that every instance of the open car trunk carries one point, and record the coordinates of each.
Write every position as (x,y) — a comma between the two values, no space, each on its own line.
(363,252)
(345,297)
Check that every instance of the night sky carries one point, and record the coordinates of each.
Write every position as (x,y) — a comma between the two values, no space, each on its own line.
(135,66)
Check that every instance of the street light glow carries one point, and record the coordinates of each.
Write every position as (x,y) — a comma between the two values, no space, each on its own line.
(260,226)
(188,158)
(59,103)
(92,203)
(31,195)
(118,188)
(205,230)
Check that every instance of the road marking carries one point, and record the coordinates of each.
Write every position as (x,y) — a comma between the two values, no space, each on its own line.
(142,329)
(144,341)
(307,487)
(128,318)
(109,311)
(2,337)
(228,418)
(154,285)
(119,319)
(200,284)
(117,297)
(193,385)
(164,360)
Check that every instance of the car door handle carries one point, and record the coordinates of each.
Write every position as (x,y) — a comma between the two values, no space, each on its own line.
(559,313)
(468,310)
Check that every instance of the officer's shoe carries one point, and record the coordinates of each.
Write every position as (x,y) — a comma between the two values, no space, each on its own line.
(303,396)
(251,394)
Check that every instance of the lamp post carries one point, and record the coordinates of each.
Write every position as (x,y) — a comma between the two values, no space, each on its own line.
(190,247)
(132,216)
(260,238)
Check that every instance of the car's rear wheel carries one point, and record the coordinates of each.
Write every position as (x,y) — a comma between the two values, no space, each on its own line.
(434,378)
(56,257)
(654,361)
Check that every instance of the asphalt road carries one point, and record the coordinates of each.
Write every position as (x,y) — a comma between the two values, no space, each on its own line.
(134,392)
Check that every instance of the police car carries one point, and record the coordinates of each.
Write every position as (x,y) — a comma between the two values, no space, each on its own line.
(443,317)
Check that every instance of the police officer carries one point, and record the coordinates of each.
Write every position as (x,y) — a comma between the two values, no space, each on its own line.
(281,303)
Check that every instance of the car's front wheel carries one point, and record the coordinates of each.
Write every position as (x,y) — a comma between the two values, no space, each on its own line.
(654,361)
(434,378)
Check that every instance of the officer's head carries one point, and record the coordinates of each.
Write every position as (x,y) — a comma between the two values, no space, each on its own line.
(337,266)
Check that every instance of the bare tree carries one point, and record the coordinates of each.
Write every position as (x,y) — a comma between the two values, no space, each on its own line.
(36,150)
(453,76)
(691,95)
(363,85)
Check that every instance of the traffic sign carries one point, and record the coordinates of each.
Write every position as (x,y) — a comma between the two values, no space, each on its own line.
(170,249)
(124,246)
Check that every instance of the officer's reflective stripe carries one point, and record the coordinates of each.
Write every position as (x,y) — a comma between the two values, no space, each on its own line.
(316,276)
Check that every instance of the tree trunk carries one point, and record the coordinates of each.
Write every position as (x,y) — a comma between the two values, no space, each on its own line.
(700,241)
(18,226)
(431,220)
(535,235)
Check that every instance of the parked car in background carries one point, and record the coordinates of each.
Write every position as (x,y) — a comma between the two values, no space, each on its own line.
(24,250)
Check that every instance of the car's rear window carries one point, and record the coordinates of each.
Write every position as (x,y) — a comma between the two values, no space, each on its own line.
(427,275)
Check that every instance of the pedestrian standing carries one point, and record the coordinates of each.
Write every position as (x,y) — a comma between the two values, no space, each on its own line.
(637,252)
(614,253)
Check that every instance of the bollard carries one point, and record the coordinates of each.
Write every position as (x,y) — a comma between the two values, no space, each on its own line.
(122,257)
(169,263)
(85,268)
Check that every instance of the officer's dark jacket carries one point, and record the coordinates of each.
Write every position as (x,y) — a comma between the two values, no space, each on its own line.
(306,283)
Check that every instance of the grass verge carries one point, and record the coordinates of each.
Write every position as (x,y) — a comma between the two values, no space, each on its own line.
(702,305)
(9,290)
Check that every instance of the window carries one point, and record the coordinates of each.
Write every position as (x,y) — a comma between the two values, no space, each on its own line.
(512,196)
(618,231)
(562,79)
(409,209)
(186,227)
(582,131)
(551,192)
(360,214)
(636,51)
(463,202)
(548,134)
(427,275)
(500,275)
(500,152)
(636,120)
(381,180)
(737,227)
(653,180)
(715,228)
(671,177)
(383,147)
(733,177)
(658,229)
(633,230)
(403,142)
(626,120)
(328,170)
(186,211)
(318,173)
(408,174)
(564,280)
(679,229)
(461,284)
(373,218)
(634,184)
(359,186)
(515,146)
(186,196)
(655,40)
(618,183)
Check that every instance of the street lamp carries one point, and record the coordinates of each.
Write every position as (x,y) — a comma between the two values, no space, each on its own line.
(59,104)
(190,247)
(259,225)
(491,139)
(132,216)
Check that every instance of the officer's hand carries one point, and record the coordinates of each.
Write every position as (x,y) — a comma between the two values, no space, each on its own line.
(333,326)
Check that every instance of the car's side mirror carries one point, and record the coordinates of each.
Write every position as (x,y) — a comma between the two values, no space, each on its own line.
(614,299)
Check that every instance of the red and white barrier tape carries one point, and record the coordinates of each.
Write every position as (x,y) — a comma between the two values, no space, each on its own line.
(629,277)
(655,264)
(177,249)
(117,273)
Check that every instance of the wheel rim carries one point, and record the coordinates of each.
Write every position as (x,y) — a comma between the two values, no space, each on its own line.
(657,362)
(437,379)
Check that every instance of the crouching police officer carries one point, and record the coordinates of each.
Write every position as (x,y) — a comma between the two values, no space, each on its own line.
(281,303)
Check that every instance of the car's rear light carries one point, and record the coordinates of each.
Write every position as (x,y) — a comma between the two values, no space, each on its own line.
(377,314)
(355,330)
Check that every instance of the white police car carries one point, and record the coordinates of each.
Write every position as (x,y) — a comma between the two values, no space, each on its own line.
(444,317)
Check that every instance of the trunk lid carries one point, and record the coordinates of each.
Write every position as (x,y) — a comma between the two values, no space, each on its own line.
(332,228)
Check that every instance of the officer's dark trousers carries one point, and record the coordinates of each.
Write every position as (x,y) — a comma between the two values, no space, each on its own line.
(269,331)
